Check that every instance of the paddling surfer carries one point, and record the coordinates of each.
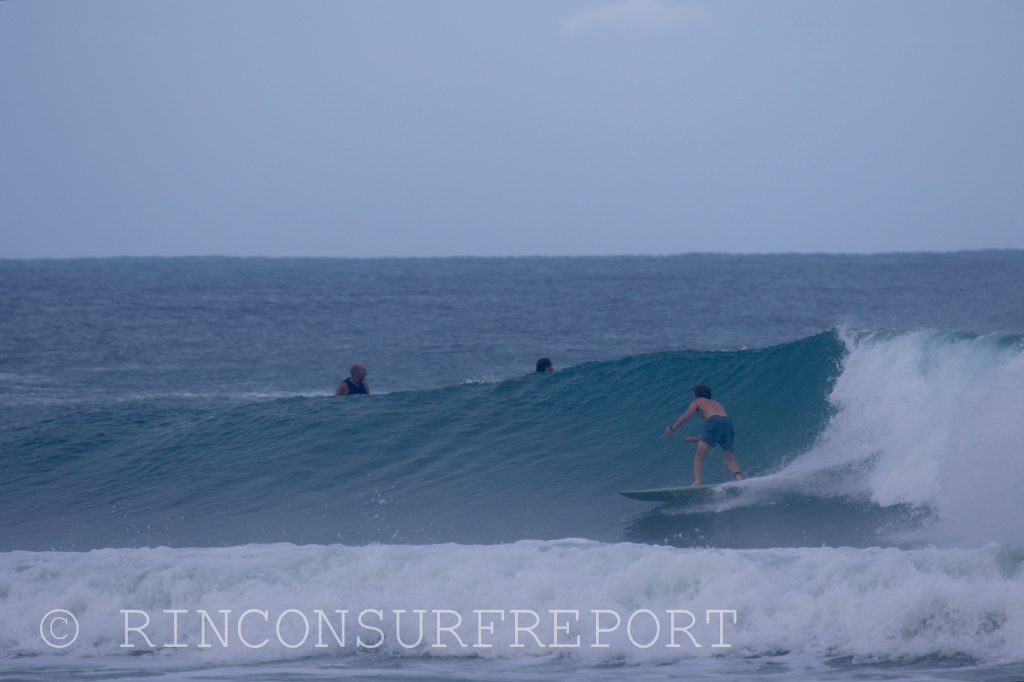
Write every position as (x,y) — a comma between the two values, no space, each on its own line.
(717,431)
(354,384)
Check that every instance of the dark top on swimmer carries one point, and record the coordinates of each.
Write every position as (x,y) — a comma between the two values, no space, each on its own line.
(354,388)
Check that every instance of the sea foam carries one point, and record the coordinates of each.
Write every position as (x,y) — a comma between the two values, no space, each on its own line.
(933,420)
(871,604)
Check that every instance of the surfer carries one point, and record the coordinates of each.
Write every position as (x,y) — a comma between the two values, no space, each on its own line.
(354,384)
(544,365)
(717,431)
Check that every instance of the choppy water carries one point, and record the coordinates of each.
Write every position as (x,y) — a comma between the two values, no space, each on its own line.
(170,442)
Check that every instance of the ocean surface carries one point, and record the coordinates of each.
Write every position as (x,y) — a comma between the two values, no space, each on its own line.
(183,498)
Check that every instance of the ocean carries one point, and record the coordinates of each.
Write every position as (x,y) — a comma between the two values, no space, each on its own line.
(182,496)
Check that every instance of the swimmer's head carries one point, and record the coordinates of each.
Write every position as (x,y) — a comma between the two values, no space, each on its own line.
(544,365)
(358,372)
(702,391)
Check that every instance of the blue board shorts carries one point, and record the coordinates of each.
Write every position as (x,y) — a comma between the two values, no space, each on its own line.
(718,431)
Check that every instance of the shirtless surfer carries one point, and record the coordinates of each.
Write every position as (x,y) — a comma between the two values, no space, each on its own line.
(354,384)
(717,431)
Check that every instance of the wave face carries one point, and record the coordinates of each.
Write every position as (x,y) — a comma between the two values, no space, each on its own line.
(850,439)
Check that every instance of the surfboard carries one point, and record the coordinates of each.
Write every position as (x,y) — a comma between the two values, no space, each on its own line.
(669,494)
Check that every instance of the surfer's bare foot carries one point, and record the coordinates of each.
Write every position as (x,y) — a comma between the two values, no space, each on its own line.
(697,482)
(737,476)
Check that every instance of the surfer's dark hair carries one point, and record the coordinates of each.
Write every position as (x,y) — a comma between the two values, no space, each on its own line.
(702,391)
(543,364)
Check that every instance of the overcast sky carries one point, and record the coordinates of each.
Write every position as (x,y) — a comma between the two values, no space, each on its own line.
(326,128)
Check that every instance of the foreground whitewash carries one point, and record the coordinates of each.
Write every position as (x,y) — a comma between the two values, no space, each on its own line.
(587,599)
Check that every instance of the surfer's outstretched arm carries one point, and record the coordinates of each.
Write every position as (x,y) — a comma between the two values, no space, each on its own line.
(682,420)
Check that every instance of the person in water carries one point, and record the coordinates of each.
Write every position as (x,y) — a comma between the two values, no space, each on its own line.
(717,431)
(354,384)
(544,365)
